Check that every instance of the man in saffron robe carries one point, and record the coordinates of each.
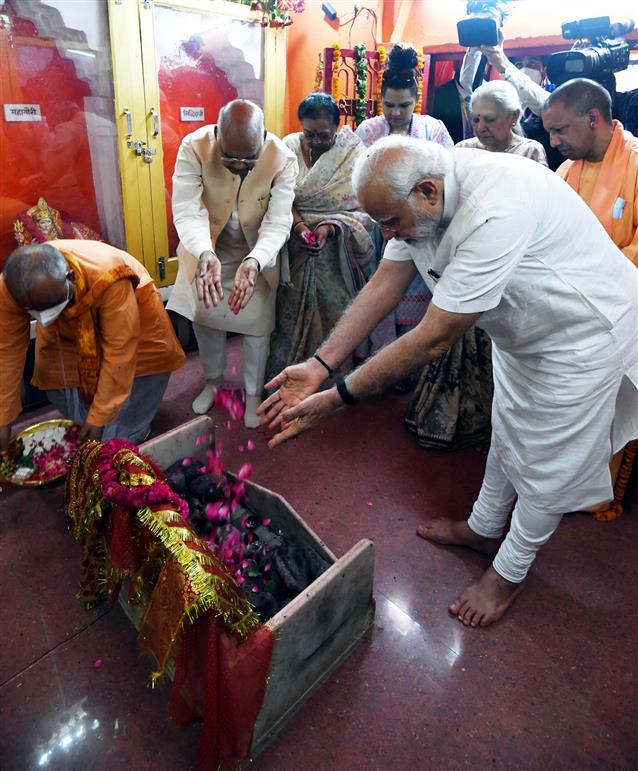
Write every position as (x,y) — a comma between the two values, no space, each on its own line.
(104,343)
(602,164)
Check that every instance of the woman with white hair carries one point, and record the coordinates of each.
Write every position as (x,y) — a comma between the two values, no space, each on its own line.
(451,407)
(496,110)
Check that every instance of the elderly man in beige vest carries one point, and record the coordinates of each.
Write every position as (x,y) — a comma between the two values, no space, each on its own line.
(233,190)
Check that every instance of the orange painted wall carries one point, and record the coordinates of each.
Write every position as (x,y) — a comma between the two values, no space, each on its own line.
(309,35)
(420,22)
(433,22)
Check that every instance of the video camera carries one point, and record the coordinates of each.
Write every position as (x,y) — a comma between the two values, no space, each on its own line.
(483,23)
(607,53)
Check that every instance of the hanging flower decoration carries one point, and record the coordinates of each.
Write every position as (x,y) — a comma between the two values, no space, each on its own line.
(336,64)
(319,74)
(361,83)
(383,55)
(419,83)
(276,13)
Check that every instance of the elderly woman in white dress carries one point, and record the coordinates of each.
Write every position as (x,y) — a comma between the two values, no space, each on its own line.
(496,111)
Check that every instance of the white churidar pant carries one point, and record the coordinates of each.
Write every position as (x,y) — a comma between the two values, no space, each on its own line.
(212,354)
(529,530)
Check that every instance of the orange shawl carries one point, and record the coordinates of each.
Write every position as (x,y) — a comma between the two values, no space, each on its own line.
(89,352)
(610,179)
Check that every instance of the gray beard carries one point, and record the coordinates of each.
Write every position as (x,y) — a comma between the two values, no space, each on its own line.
(426,229)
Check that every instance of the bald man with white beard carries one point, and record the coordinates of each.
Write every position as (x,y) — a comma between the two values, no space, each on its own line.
(504,244)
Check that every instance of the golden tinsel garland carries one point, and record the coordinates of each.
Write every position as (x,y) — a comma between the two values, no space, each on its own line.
(336,64)
(383,55)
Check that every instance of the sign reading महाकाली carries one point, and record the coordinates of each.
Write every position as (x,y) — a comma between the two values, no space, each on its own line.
(22,112)
(194,114)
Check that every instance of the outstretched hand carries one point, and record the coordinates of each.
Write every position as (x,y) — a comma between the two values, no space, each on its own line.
(295,420)
(208,280)
(293,385)
(244,285)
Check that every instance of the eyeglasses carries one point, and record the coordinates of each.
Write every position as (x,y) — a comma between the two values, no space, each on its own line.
(230,161)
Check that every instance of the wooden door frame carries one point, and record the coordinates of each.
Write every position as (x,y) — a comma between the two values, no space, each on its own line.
(132,35)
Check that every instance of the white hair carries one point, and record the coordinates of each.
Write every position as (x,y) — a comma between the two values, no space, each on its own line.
(501,93)
(418,160)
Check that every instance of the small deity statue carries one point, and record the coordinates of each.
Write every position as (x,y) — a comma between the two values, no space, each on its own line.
(44,223)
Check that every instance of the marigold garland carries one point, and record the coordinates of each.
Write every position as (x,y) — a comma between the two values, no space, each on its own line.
(319,74)
(336,64)
(419,83)
(383,55)
(361,83)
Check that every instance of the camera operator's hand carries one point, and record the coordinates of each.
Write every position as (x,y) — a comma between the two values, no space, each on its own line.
(496,57)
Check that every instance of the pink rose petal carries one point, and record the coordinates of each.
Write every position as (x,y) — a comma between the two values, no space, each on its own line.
(245,471)
(97,663)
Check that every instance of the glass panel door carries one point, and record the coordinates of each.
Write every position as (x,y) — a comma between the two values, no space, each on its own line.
(57,131)
(204,61)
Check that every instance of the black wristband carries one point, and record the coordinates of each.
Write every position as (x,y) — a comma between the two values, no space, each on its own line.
(323,363)
(346,396)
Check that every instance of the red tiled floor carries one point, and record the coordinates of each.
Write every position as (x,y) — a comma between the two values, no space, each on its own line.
(554,685)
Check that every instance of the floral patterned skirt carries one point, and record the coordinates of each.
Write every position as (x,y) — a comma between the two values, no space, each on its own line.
(452,403)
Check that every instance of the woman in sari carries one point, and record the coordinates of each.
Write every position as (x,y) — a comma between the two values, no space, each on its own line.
(452,403)
(330,247)
(398,101)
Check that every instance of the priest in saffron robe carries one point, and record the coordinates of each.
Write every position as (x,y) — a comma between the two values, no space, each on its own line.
(602,158)
(105,346)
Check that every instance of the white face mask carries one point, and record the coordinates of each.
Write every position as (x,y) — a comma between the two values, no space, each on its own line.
(535,75)
(49,315)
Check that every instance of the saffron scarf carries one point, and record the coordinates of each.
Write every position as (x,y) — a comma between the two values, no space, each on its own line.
(89,350)
(610,179)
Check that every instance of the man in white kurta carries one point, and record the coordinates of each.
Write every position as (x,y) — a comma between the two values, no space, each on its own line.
(233,189)
(504,244)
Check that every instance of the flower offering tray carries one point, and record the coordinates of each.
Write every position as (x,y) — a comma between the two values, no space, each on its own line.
(50,449)
(319,628)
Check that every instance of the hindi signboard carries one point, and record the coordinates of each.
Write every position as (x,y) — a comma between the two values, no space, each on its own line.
(191,114)
(22,112)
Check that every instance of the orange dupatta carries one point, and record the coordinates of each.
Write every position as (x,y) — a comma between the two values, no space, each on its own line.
(610,179)
(89,352)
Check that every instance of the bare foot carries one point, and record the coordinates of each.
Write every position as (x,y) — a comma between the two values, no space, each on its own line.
(454,533)
(485,602)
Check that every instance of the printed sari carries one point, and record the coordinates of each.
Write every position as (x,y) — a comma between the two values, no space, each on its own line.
(316,287)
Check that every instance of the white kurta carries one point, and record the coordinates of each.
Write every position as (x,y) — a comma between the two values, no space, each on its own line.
(560,302)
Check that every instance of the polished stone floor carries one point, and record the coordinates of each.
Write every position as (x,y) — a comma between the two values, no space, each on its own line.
(554,685)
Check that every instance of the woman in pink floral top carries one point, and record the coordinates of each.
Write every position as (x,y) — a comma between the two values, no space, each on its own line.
(419,126)
(398,98)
